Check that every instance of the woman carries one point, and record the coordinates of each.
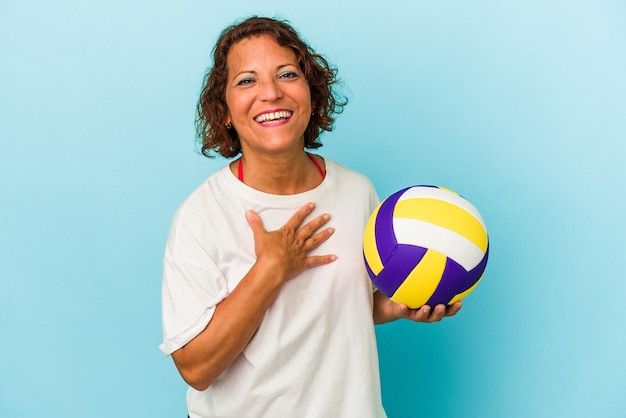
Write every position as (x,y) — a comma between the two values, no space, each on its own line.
(267,308)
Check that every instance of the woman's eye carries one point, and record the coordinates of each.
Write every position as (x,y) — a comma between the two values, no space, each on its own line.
(245,81)
(288,74)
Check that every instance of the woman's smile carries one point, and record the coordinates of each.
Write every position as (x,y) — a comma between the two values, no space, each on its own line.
(273,117)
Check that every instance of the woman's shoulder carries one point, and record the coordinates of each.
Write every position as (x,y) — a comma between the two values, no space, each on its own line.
(350,181)
(345,173)
(206,194)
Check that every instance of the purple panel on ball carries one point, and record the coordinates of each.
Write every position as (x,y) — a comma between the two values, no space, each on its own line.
(400,263)
(383,229)
(476,273)
(453,277)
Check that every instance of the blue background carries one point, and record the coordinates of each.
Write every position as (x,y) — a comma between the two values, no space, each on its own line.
(519,106)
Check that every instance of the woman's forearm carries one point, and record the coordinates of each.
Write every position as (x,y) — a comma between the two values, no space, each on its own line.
(234,322)
(382,310)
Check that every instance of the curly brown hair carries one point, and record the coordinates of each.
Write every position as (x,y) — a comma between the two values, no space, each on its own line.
(212,109)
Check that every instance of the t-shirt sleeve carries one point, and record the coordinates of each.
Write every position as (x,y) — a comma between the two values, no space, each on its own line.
(192,287)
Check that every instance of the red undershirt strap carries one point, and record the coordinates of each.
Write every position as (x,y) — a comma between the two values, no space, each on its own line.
(319,167)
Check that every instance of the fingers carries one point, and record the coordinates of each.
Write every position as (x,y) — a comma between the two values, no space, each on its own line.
(428,315)
(307,234)
(316,240)
(453,309)
(289,247)
(294,222)
(308,230)
(437,313)
(301,214)
(319,260)
(421,314)
(255,222)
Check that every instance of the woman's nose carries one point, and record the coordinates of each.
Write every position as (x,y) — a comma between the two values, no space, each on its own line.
(270,90)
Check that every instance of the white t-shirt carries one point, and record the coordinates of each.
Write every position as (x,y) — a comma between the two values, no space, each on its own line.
(314,353)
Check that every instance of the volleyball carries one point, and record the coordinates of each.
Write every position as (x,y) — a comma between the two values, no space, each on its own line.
(425,245)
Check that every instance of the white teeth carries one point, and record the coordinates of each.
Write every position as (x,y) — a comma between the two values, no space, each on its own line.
(283,114)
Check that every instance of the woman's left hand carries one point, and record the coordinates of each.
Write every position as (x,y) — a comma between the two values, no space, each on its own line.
(386,310)
(428,314)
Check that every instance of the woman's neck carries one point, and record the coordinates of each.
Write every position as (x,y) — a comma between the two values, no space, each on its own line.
(281,175)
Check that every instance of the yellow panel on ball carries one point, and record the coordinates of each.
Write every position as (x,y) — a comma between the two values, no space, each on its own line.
(420,284)
(370,251)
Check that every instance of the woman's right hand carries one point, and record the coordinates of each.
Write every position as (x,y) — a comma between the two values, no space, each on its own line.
(286,250)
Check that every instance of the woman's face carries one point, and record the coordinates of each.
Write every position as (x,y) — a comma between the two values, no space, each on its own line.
(268,97)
